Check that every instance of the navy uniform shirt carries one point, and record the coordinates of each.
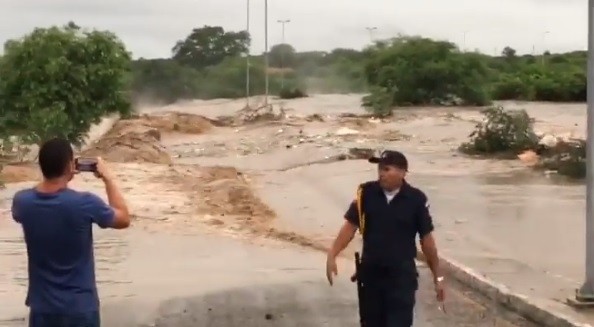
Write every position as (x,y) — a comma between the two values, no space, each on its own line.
(391,227)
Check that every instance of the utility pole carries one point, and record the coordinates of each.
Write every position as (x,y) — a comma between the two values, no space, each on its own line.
(371,30)
(247,59)
(283,22)
(464,41)
(544,48)
(266,52)
(585,295)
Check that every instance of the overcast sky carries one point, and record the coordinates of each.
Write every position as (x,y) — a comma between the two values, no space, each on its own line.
(150,27)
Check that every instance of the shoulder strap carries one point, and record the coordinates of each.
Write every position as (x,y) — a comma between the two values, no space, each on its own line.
(360,211)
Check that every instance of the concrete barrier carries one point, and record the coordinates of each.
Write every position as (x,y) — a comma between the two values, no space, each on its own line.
(501,294)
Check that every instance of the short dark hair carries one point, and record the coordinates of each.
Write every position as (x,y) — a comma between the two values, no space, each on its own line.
(54,157)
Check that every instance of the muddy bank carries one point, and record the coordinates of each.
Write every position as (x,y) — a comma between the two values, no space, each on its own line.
(129,140)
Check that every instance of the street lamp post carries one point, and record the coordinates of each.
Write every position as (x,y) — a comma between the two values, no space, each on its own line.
(544,37)
(371,30)
(247,58)
(464,41)
(283,22)
(585,295)
(266,85)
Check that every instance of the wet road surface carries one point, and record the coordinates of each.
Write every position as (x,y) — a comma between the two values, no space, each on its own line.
(204,280)
(309,304)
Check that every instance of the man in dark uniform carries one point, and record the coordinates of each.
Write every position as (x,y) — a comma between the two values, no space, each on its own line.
(389,213)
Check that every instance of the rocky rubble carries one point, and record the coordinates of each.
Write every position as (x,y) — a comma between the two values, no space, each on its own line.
(562,154)
(284,136)
(249,115)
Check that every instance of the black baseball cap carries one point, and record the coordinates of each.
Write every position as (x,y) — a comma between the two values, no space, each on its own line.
(392,158)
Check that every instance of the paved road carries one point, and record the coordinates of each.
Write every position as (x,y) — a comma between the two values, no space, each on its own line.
(310,303)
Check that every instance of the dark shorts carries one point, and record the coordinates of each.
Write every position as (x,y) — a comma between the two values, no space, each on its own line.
(388,298)
(90,319)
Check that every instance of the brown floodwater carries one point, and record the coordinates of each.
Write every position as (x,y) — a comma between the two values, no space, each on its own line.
(522,228)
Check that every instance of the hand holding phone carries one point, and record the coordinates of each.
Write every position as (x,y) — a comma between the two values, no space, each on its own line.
(86,164)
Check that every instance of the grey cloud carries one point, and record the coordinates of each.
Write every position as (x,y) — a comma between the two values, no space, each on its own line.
(151,27)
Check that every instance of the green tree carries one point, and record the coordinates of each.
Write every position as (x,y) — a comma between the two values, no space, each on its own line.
(341,53)
(508,52)
(59,81)
(423,71)
(209,46)
(416,70)
(282,56)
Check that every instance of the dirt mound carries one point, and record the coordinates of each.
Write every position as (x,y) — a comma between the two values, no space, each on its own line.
(227,192)
(224,194)
(130,141)
(177,122)
(223,198)
(138,139)
(16,173)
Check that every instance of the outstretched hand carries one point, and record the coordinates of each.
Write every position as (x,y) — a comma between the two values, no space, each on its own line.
(440,295)
(331,269)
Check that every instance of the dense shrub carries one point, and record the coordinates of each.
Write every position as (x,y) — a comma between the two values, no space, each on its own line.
(380,101)
(291,93)
(501,132)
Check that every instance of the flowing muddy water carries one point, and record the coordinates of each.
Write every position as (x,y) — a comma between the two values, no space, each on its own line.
(517,226)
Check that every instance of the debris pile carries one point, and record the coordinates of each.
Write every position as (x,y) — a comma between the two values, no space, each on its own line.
(566,157)
(177,122)
(225,196)
(249,115)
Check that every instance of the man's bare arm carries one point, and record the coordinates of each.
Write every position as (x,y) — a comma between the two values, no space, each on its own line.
(344,237)
(117,202)
(429,249)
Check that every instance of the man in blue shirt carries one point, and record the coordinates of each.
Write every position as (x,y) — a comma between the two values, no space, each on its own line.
(57,224)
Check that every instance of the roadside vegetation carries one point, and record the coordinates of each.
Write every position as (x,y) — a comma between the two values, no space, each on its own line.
(502,133)
(58,81)
(509,134)
(403,71)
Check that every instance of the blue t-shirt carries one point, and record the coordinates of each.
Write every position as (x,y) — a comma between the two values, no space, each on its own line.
(59,237)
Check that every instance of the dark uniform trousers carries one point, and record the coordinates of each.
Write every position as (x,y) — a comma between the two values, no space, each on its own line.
(90,319)
(388,297)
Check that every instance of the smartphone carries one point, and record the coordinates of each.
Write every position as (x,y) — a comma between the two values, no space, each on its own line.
(85,164)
